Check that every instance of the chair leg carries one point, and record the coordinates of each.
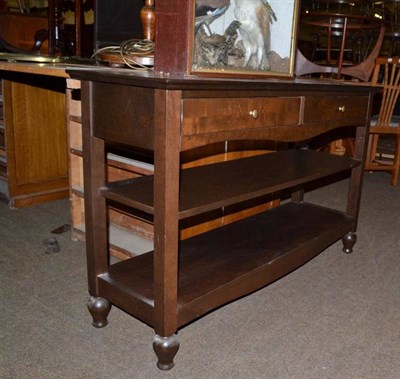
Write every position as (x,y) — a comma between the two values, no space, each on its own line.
(374,146)
(396,162)
(371,151)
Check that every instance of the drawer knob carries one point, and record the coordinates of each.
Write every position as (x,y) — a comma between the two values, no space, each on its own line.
(342,108)
(254,113)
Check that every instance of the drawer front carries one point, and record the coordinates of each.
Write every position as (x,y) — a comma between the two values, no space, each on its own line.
(123,114)
(201,116)
(342,109)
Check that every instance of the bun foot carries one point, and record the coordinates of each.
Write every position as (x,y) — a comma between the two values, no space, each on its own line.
(348,242)
(165,349)
(99,308)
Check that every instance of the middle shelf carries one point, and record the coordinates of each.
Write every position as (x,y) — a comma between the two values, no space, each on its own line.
(210,187)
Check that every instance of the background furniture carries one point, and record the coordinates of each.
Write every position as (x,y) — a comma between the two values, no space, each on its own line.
(117,22)
(343,44)
(392,35)
(21,31)
(386,10)
(70,27)
(339,39)
(56,27)
(384,126)
(33,144)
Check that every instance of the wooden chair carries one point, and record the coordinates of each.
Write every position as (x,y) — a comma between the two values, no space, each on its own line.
(386,75)
(341,27)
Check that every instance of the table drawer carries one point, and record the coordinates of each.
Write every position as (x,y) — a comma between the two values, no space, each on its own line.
(341,108)
(201,116)
(123,114)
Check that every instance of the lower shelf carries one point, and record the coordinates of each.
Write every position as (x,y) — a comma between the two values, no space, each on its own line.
(229,262)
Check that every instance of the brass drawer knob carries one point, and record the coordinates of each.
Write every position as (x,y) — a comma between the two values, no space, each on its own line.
(342,108)
(254,114)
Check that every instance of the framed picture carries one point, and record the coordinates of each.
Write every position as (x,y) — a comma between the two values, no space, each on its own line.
(244,37)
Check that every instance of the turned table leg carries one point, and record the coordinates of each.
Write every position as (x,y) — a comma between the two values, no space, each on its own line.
(348,242)
(99,308)
(165,349)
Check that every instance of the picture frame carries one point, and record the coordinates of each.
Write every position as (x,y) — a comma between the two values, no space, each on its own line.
(243,38)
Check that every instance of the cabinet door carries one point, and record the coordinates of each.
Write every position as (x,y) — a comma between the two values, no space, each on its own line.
(36,138)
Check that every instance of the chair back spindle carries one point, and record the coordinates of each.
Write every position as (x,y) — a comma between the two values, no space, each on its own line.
(385,126)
